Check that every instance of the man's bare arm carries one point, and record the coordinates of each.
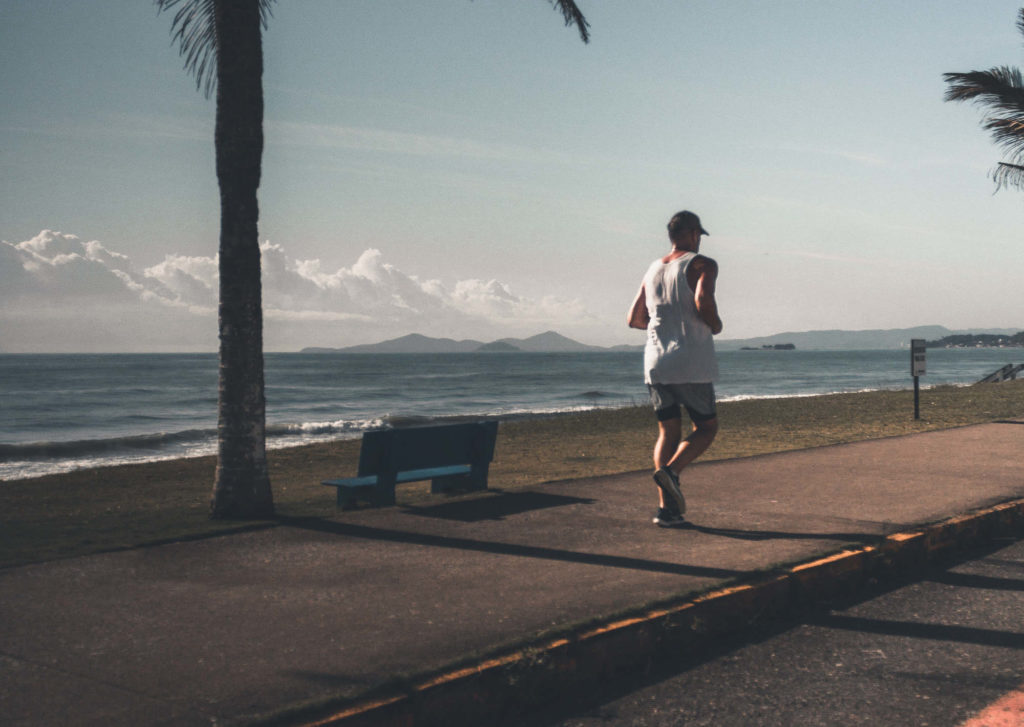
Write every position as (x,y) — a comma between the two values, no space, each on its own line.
(638,316)
(704,296)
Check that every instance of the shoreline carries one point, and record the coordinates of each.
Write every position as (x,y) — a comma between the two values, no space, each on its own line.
(116,411)
(48,467)
(91,510)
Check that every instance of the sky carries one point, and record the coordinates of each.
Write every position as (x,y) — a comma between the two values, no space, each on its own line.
(471,169)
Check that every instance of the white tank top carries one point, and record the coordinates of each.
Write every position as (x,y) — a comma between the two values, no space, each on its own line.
(680,348)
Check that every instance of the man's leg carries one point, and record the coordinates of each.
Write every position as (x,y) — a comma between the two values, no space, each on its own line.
(669,462)
(670,433)
(693,446)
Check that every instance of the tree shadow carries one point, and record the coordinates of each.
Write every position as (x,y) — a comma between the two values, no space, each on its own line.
(911,629)
(365,532)
(968,580)
(496,507)
(755,535)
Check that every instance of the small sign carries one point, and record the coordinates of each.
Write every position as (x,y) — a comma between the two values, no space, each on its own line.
(917,356)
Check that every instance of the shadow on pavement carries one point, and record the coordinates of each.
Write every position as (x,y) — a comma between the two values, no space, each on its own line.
(497,507)
(938,632)
(970,580)
(365,532)
(775,535)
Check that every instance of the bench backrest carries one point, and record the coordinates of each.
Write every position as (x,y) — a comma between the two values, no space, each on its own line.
(409,448)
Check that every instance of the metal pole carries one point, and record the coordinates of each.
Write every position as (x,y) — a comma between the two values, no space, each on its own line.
(917,397)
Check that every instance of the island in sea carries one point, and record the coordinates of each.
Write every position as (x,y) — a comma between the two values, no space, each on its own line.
(771,347)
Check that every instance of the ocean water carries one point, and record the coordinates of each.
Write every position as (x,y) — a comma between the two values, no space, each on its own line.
(62,412)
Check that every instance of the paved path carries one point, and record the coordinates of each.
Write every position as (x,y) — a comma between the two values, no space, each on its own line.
(240,625)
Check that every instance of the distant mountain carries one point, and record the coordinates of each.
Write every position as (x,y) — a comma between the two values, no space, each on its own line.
(498,347)
(849,340)
(413,343)
(549,342)
(552,342)
(979,340)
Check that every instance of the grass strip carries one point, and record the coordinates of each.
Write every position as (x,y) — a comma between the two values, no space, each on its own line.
(100,509)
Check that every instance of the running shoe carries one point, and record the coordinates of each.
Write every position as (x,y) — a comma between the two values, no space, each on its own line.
(668,481)
(667,517)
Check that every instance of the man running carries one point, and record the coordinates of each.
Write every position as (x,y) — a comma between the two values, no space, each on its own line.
(676,305)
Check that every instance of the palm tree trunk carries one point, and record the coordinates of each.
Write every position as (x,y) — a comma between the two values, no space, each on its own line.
(242,486)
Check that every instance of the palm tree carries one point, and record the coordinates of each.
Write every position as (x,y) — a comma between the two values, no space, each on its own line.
(1001,89)
(223,46)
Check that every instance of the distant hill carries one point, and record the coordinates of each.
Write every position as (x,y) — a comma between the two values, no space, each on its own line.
(548,342)
(979,340)
(848,340)
(552,342)
(413,343)
(498,347)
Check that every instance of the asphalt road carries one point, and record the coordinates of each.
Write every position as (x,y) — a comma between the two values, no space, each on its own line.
(933,653)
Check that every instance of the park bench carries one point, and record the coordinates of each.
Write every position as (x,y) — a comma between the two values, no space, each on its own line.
(451,456)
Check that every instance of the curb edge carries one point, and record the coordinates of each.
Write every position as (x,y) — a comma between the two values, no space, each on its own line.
(535,675)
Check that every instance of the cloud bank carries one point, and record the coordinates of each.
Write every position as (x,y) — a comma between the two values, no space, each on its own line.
(61,294)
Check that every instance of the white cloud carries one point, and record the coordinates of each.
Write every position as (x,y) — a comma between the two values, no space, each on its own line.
(186,281)
(65,267)
(56,283)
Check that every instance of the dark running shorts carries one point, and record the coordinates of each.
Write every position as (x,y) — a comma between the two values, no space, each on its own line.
(669,400)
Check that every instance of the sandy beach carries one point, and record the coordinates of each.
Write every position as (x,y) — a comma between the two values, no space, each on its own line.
(115,507)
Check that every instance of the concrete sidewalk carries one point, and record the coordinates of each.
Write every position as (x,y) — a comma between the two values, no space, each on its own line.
(242,626)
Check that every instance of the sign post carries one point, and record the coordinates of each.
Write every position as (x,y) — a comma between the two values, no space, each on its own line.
(917,369)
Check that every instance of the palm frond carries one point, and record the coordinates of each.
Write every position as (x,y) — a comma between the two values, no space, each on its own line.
(194,30)
(1007,131)
(1009,175)
(1001,87)
(1001,90)
(573,16)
